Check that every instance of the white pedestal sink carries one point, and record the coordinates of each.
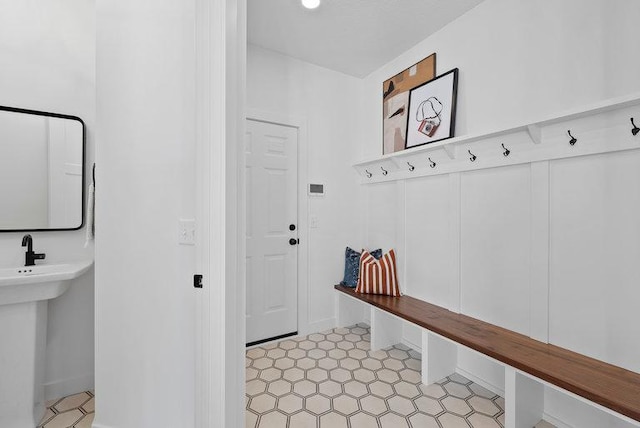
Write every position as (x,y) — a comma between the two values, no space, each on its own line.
(24,293)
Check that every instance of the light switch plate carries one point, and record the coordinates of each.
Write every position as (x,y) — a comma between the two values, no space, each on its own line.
(186,231)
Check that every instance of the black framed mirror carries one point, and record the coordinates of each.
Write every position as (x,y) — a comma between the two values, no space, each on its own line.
(42,171)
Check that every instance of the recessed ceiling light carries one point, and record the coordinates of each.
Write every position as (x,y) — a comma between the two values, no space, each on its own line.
(311,4)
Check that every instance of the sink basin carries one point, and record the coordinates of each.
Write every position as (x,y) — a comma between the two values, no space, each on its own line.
(40,282)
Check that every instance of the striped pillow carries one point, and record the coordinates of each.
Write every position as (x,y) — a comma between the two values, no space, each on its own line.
(378,276)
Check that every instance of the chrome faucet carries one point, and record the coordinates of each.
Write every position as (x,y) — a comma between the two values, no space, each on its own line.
(30,257)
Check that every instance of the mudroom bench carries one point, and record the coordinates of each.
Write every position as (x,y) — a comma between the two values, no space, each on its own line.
(529,364)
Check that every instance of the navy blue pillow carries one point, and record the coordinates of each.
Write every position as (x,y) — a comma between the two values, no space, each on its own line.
(352,266)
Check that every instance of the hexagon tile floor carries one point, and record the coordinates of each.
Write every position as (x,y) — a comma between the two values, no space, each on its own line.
(334,380)
(74,411)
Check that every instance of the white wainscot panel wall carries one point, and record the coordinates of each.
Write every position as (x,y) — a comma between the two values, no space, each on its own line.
(382,216)
(495,245)
(594,256)
(428,259)
(548,249)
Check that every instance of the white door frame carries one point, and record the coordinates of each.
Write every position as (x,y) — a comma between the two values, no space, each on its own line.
(220,43)
(300,124)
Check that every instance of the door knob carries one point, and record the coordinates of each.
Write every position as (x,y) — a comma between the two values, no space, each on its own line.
(292,227)
(293,241)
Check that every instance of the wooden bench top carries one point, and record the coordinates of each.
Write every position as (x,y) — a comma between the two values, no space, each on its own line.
(610,386)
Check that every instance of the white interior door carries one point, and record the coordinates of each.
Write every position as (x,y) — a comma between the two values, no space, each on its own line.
(271,153)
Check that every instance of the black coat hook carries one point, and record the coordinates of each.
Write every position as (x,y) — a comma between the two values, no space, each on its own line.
(573,140)
(506,151)
(472,157)
(635,129)
(384,171)
(369,175)
(411,167)
(432,164)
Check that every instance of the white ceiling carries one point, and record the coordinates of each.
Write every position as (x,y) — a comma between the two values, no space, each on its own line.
(355,37)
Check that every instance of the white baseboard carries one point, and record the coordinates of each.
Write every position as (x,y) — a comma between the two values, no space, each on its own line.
(555,421)
(319,326)
(483,383)
(69,386)
(414,346)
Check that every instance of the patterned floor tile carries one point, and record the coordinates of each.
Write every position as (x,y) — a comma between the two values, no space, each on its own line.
(291,384)
(74,411)
(333,379)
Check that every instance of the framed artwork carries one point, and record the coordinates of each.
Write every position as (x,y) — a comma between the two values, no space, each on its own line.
(432,110)
(395,102)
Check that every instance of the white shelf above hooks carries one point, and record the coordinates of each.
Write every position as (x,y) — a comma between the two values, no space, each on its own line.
(450,150)
(535,132)
(599,128)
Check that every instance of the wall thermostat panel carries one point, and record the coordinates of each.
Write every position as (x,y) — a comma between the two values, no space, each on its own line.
(316,189)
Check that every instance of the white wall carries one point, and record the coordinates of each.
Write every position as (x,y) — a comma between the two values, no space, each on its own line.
(470,241)
(47,63)
(145,307)
(328,102)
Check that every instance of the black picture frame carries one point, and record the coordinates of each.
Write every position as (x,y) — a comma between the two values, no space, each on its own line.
(449,109)
(84,166)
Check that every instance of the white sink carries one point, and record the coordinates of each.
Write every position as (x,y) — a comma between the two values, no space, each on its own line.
(40,282)
(24,296)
